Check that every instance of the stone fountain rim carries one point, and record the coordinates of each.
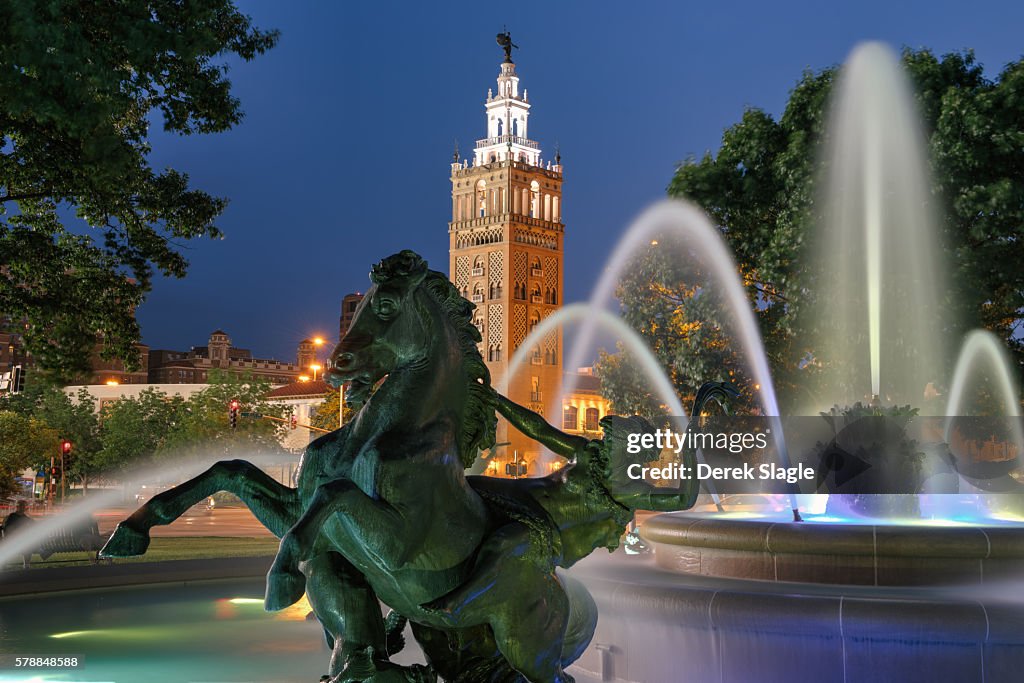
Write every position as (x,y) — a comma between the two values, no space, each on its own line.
(835,538)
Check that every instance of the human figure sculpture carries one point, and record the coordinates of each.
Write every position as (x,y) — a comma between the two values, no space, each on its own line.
(383,511)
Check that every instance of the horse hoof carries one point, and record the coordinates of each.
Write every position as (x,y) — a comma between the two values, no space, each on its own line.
(284,588)
(125,542)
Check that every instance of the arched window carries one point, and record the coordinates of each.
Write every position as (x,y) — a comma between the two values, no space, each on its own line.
(570,418)
(534,320)
(481,197)
(592,417)
(500,126)
(515,127)
(535,294)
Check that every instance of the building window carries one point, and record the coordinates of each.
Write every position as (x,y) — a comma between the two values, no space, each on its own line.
(592,418)
(570,418)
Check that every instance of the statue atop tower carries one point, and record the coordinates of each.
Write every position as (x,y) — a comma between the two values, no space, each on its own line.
(505,40)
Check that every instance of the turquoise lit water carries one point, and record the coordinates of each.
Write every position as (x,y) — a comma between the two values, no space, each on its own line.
(212,632)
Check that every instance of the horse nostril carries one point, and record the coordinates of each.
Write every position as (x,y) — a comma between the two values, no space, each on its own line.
(344,360)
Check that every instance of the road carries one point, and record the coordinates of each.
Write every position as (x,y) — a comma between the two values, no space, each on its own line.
(196,522)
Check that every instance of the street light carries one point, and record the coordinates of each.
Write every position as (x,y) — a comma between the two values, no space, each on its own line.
(315,367)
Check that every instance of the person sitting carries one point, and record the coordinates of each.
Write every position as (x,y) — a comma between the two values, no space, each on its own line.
(19,519)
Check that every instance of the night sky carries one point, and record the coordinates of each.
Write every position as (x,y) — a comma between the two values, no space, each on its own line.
(343,156)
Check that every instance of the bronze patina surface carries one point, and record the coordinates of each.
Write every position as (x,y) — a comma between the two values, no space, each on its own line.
(383,511)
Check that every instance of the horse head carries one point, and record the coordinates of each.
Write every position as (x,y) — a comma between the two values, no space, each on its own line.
(414,317)
(386,331)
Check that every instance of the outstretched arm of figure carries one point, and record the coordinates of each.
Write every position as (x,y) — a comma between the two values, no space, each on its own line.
(537,428)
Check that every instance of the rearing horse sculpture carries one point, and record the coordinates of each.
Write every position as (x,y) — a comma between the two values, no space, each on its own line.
(384,512)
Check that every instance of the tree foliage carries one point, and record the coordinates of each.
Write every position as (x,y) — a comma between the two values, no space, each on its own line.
(326,416)
(155,428)
(759,190)
(71,418)
(84,219)
(24,442)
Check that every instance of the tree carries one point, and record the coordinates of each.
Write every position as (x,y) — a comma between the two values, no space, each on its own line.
(73,419)
(134,430)
(326,416)
(759,190)
(155,429)
(82,83)
(24,442)
(204,429)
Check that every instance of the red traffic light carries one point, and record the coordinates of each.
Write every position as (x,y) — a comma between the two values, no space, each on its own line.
(65,447)
(234,405)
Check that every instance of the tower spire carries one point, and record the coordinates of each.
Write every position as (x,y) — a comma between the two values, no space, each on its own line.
(507,112)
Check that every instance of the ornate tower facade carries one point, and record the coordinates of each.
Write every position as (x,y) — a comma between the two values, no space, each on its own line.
(506,248)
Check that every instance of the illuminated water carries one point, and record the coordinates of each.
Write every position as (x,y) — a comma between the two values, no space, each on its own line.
(595,317)
(686,231)
(200,632)
(983,356)
(877,235)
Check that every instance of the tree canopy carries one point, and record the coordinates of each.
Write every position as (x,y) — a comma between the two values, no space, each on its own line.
(85,221)
(759,190)
(24,442)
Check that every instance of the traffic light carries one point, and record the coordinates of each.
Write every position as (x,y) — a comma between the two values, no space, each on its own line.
(65,447)
(233,412)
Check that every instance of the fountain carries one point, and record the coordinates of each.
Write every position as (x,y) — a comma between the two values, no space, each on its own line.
(754,596)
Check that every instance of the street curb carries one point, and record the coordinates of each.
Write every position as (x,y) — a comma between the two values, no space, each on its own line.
(24,582)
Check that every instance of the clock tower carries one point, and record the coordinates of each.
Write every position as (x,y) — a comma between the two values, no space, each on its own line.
(505,251)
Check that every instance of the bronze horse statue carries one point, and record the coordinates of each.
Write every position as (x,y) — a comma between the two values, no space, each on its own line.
(383,511)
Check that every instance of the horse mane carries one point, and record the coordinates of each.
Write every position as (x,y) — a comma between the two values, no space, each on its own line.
(479,422)
(477,431)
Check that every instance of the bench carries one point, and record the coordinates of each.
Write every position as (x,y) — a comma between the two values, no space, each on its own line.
(85,537)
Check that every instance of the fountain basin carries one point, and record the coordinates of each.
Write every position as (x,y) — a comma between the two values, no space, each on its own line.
(861,554)
(657,626)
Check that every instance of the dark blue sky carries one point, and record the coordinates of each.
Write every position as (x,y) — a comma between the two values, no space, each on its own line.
(343,155)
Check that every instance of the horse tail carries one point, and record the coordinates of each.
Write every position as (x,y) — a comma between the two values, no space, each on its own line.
(394,627)
(582,619)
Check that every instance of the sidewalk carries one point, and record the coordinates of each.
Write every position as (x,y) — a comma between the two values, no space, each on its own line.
(23,582)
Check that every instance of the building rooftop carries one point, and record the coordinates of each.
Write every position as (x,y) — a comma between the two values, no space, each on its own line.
(302,390)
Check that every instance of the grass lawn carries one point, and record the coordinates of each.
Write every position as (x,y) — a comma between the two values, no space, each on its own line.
(181,548)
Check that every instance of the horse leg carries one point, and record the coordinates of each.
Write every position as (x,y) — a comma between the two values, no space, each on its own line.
(524,604)
(276,506)
(529,623)
(510,542)
(285,583)
(348,609)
